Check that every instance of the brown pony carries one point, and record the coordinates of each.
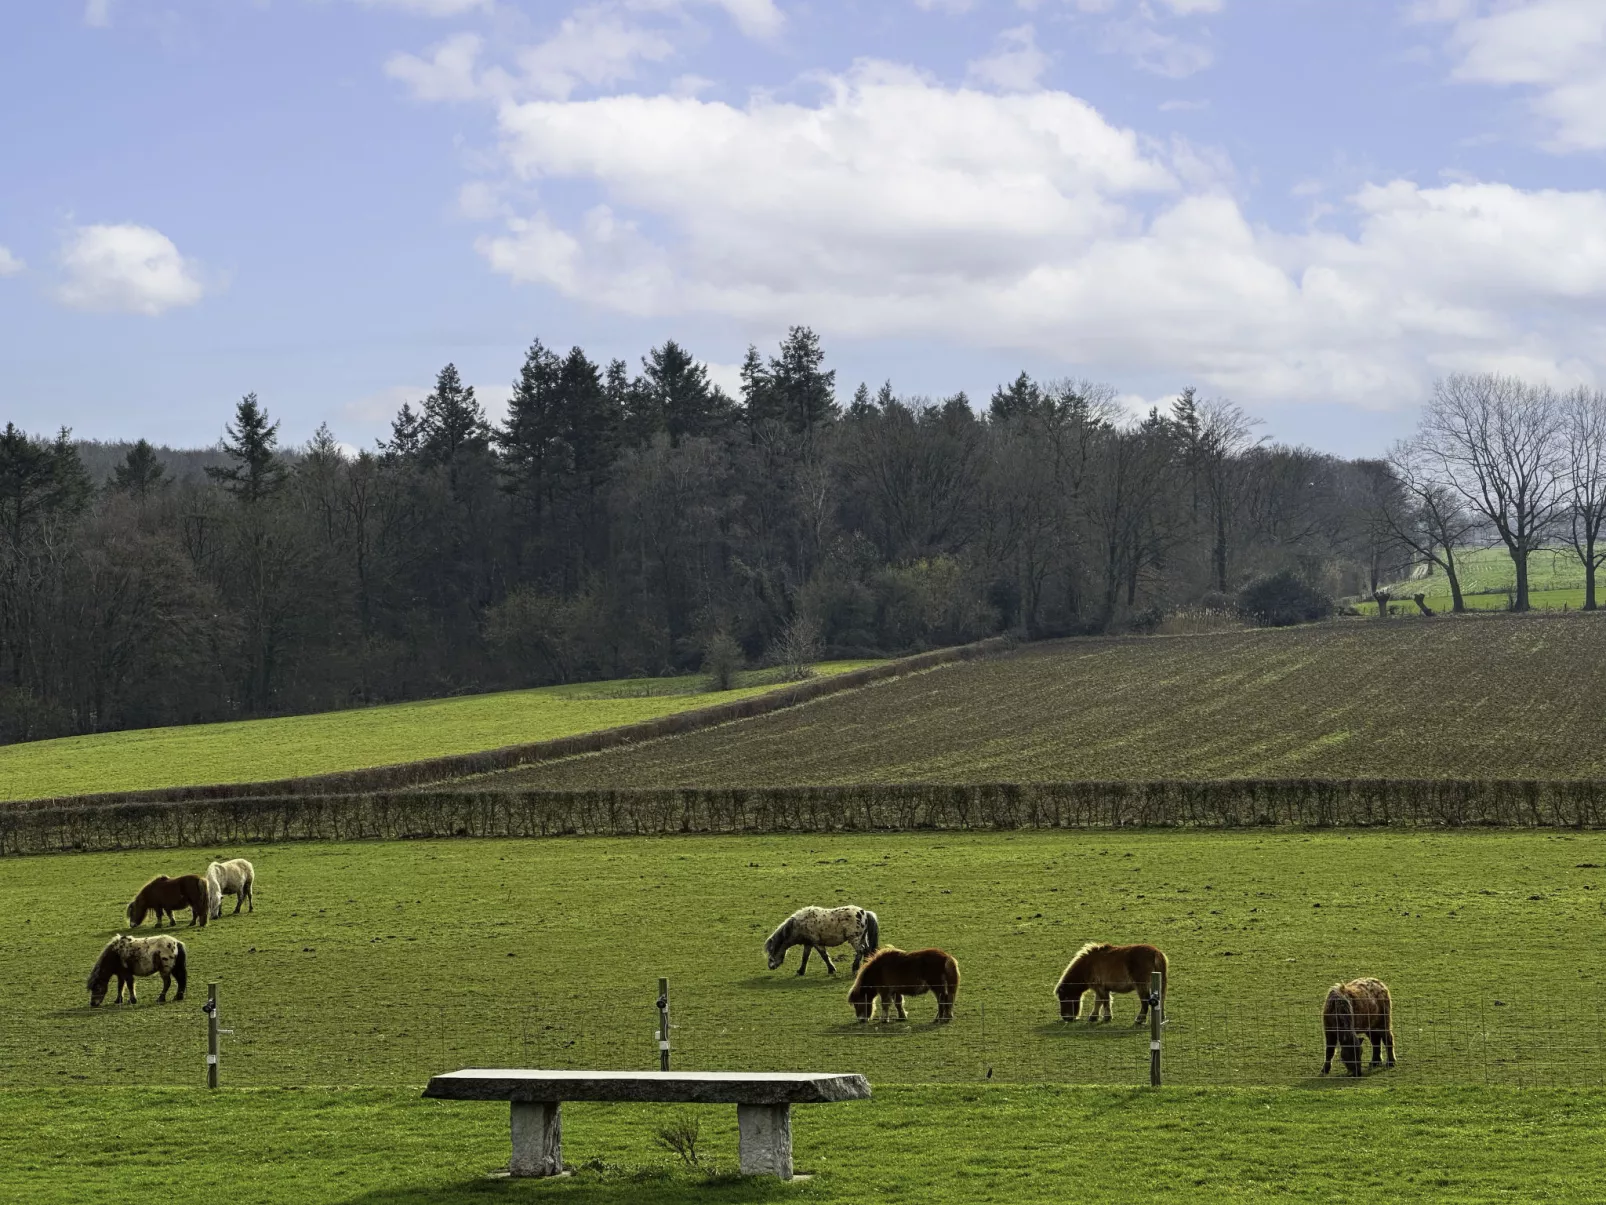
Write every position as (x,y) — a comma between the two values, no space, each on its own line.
(1353,1012)
(162,894)
(891,974)
(1103,968)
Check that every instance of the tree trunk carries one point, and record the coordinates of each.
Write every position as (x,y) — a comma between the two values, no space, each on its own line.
(1457,605)
(1520,603)
(1589,574)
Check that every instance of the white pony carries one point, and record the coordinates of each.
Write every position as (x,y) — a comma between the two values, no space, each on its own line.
(236,877)
(817,928)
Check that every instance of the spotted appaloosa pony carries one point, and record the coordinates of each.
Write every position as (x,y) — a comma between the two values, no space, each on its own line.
(236,877)
(1103,968)
(891,974)
(819,928)
(162,894)
(127,957)
(1353,1012)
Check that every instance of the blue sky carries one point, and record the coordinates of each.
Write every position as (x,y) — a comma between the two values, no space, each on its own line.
(1312,207)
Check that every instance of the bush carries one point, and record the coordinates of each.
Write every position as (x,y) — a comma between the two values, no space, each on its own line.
(722,658)
(796,649)
(1282,599)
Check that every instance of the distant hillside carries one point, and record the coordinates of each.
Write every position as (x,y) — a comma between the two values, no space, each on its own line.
(1475,697)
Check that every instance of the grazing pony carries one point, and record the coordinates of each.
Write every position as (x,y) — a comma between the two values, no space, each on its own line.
(162,894)
(817,928)
(126,957)
(1103,968)
(1353,1012)
(892,974)
(235,877)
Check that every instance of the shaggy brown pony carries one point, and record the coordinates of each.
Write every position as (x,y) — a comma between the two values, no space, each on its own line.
(890,975)
(1102,968)
(1353,1012)
(162,894)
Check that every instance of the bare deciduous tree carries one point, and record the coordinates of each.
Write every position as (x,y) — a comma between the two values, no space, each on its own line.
(1498,442)
(1584,428)
(1426,513)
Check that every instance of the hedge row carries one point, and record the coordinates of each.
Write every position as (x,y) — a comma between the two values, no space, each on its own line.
(465,765)
(219,824)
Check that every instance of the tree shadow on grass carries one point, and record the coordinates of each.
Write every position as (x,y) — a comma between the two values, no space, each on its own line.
(647,1186)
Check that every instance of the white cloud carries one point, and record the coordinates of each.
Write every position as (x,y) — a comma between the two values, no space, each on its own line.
(1015,65)
(98,13)
(1555,48)
(1142,31)
(756,18)
(10,265)
(448,74)
(127,268)
(894,206)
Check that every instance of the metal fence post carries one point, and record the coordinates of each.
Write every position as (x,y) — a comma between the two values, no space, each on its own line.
(663,1025)
(1155,981)
(210,1008)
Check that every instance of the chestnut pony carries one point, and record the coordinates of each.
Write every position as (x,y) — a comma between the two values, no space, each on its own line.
(890,975)
(162,894)
(1102,968)
(1353,1012)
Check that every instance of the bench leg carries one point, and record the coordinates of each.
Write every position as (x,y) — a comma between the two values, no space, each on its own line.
(765,1140)
(537,1139)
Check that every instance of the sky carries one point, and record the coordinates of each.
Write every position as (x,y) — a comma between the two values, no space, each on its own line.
(1311,208)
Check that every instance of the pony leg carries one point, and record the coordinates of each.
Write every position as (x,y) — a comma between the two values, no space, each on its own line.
(825,956)
(1143,1008)
(897,999)
(132,998)
(1327,1063)
(807,950)
(166,982)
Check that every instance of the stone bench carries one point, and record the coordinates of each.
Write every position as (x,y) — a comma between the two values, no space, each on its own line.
(763,1103)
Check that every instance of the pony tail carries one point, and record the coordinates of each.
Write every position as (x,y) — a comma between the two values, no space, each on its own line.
(181,970)
(872,932)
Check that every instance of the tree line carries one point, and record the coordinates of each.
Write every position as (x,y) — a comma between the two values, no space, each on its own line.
(622,522)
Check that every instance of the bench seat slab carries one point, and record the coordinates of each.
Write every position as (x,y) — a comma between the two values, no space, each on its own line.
(663,1087)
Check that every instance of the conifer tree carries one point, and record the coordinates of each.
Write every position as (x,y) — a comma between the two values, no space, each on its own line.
(252,443)
(804,393)
(141,473)
(452,419)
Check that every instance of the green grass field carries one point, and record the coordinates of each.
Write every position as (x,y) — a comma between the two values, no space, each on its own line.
(994,1143)
(379,964)
(1555,582)
(1491,697)
(292,746)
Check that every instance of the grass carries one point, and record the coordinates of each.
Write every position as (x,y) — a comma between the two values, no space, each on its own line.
(292,746)
(1514,697)
(939,1144)
(379,964)
(1555,582)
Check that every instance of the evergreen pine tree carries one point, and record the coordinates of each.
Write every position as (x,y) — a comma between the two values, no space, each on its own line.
(805,394)
(452,419)
(406,435)
(861,406)
(590,423)
(759,402)
(1020,397)
(679,385)
(252,443)
(141,472)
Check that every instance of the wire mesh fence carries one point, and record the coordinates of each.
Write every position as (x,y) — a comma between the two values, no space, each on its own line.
(1549,1041)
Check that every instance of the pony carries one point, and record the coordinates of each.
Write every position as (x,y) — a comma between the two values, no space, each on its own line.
(235,877)
(1353,1012)
(816,928)
(162,894)
(126,957)
(1104,968)
(892,974)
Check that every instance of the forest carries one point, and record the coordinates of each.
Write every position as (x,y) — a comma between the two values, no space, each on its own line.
(623,522)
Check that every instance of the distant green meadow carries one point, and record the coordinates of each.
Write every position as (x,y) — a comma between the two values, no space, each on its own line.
(368,967)
(1489,579)
(293,746)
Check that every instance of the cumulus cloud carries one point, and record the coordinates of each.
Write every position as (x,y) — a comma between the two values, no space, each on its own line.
(430,8)
(895,206)
(1145,31)
(126,268)
(10,265)
(1015,65)
(1554,48)
(98,13)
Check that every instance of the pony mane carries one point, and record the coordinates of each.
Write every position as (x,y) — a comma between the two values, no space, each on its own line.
(877,956)
(782,932)
(107,956)
(1092,947)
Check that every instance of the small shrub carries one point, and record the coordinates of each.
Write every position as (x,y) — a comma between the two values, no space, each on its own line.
(1282,599)
(722,660)
(681,1136)
(796,649)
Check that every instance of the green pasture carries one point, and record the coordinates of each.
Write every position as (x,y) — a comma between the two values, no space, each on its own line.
(1555,582)
(292,746)
(1020,1144)
(369,964)
(367,967)
(1470,697)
